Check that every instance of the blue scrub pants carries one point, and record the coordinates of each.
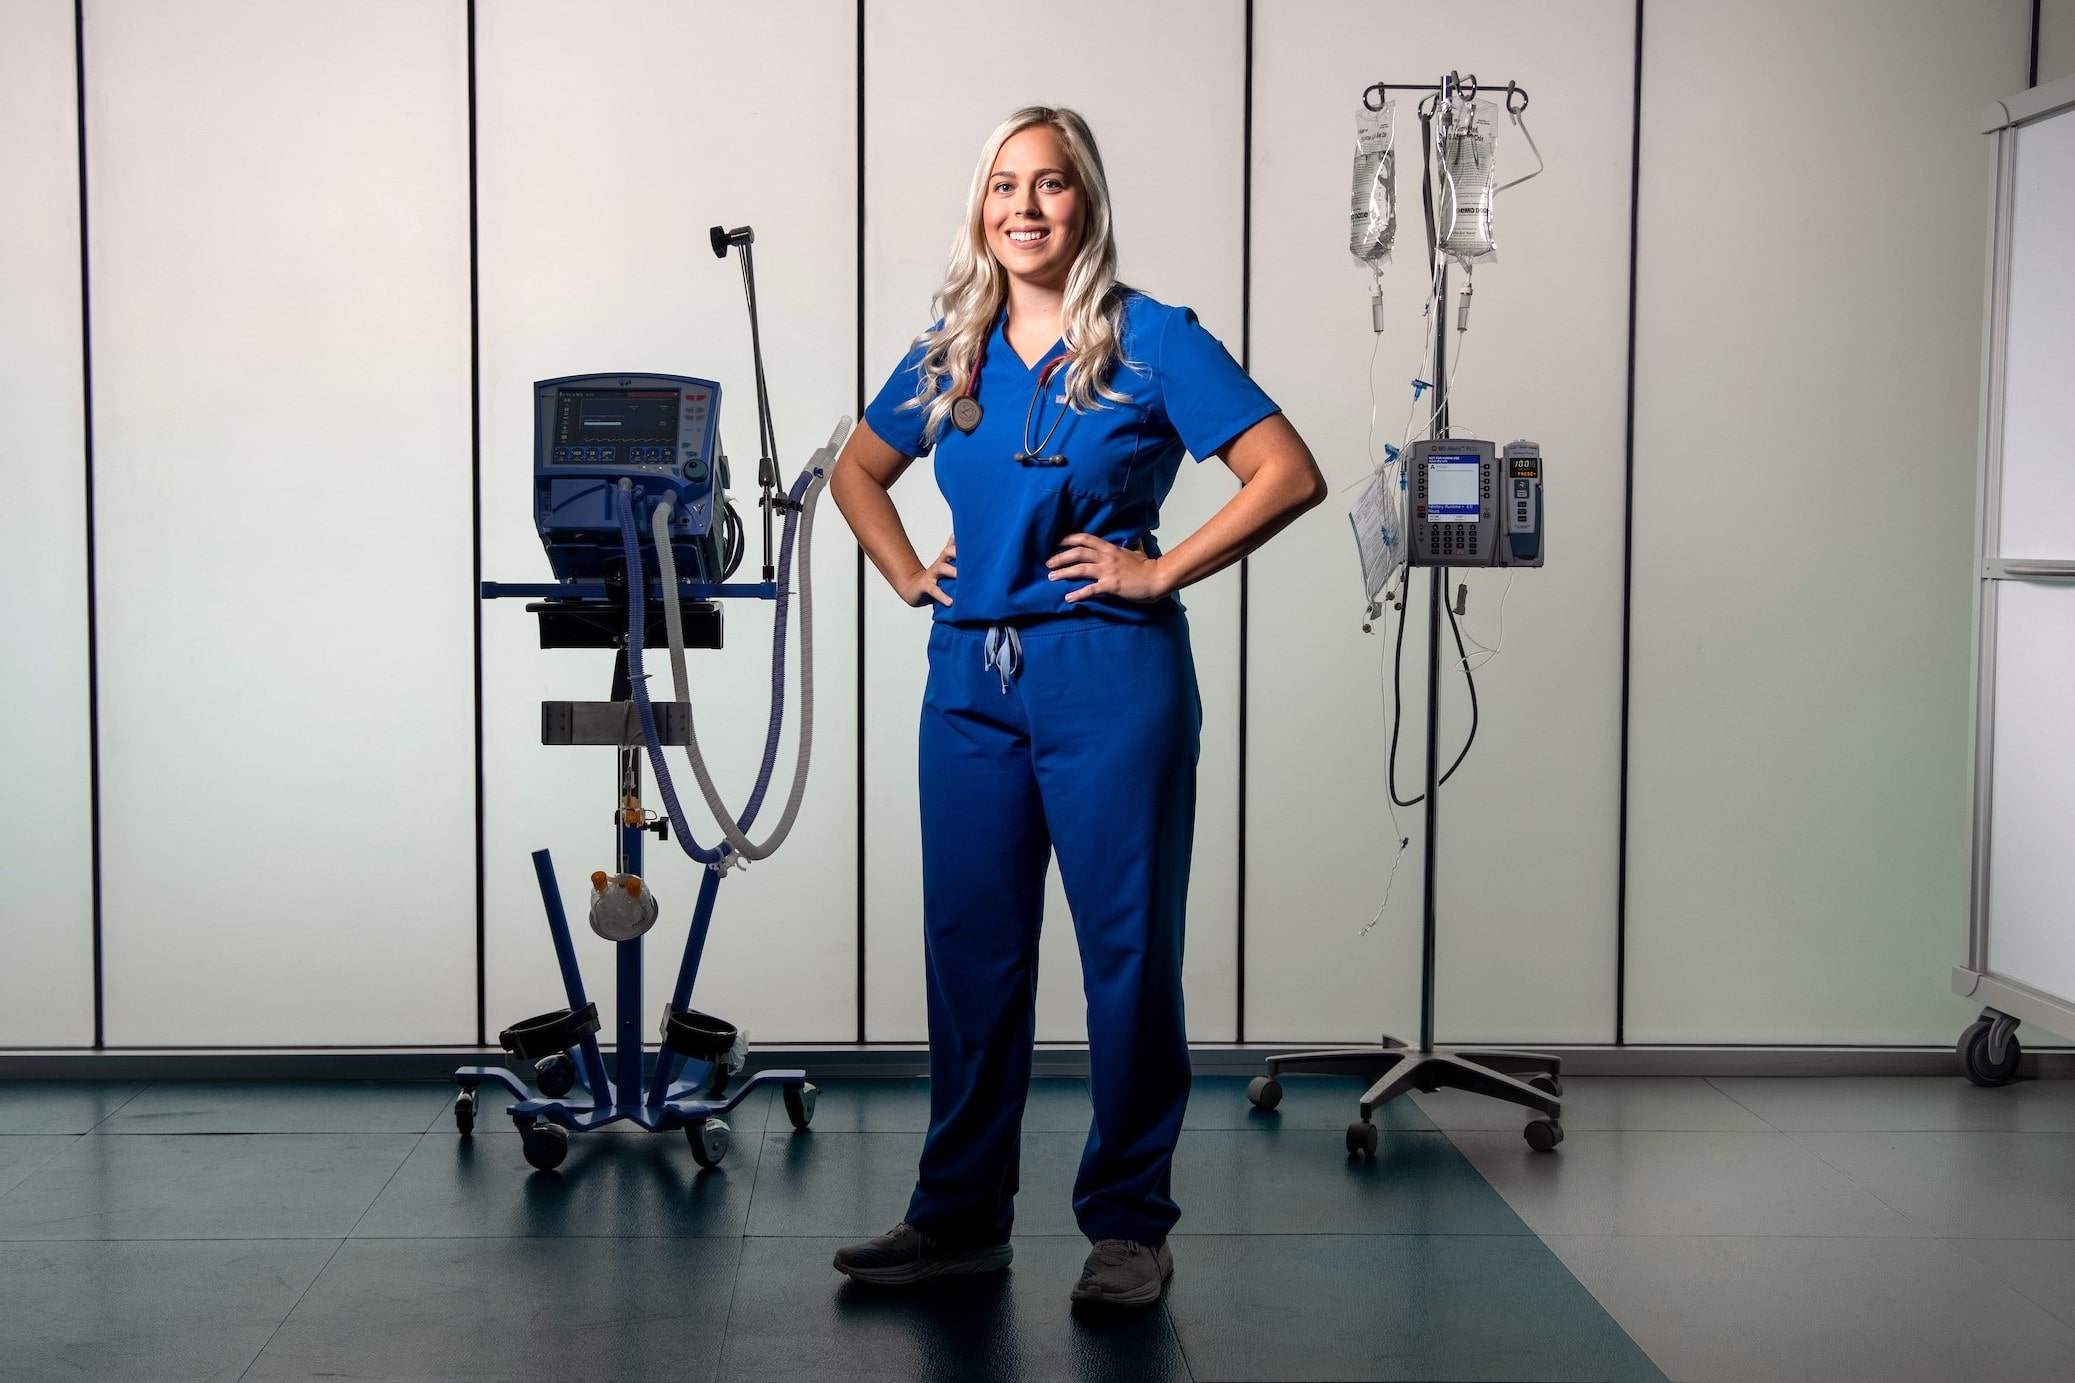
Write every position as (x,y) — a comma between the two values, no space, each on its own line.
(1086,746)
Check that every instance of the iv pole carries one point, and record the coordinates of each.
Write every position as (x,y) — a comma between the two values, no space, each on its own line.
(1393,1068)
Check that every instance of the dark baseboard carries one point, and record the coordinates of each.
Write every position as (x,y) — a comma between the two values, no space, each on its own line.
(869,1061)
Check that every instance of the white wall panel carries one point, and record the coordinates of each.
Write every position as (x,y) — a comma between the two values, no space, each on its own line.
(1528,840)
(1171,139)
(2056,40)
(280,323)
(1808,358)
(609,139)
(46,862)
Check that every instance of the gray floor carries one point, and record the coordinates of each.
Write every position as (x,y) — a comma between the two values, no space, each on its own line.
(1887,1229)
(1881,1228)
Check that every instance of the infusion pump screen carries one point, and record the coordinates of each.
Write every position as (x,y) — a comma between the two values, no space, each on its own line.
(1452,489)
(637,416)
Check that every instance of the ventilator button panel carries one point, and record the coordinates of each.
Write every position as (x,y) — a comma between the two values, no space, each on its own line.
(658,431)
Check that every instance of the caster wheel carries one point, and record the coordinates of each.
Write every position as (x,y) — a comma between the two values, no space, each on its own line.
(555,1075)
(1543,1134)
(709,1139)
(1361,1139)
(1547,1084)
(465,1112)
(1974,1055)
(799,1105)
(545,1145)
(1264,1092)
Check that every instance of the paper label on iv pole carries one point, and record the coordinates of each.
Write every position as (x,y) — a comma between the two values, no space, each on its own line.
(1379,536)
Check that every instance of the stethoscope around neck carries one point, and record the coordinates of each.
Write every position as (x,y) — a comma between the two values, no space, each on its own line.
(966,411)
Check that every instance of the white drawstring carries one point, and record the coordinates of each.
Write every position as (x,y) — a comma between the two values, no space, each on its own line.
(1003,652)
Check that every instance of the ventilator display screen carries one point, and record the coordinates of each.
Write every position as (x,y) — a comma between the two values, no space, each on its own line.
(1452,483)
(591,417)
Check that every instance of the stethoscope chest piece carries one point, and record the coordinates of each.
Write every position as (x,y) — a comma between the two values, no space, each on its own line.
(965,413)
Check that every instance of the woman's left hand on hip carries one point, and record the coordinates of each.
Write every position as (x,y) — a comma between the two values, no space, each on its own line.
(1125,572)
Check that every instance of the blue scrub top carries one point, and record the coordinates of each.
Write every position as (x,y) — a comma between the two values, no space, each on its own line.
(1184,393)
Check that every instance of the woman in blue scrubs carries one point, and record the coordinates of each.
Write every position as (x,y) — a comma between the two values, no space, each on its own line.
(1061,716)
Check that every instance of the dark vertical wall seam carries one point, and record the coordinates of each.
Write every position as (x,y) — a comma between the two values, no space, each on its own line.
(860,569)
(1628,477)
(1246,342)
(2032,60)
(93,631)
(475,510)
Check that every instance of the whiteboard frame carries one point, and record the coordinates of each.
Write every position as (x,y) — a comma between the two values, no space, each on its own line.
(2005,993)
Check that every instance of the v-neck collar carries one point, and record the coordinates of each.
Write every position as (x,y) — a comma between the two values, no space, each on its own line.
(1001,334)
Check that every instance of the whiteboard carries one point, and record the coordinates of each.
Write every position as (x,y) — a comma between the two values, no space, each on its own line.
(2031,930)
(2025,910)
(2038,501)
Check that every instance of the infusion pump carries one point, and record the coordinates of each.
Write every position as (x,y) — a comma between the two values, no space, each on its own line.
(1473,505)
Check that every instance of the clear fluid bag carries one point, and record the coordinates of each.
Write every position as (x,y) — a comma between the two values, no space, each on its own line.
(1373,202)
(1463,199)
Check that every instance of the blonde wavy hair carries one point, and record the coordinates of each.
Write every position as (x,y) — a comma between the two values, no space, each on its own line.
(1092,317)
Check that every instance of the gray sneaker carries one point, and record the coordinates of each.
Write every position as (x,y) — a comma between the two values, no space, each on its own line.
(1122,1272)
(904,1254)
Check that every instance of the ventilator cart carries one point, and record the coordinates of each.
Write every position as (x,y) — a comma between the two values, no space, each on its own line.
(630,499)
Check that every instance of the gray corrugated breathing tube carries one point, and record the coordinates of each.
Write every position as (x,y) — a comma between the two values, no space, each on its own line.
(804,496)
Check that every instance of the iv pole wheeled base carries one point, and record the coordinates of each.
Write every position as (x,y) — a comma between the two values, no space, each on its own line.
(1529,1079)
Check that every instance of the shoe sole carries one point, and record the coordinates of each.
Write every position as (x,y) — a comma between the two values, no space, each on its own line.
(960,1264)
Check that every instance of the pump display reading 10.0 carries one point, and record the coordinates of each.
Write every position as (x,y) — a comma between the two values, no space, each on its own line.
(615,426)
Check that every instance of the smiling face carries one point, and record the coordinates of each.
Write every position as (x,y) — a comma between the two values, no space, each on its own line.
(1032,210)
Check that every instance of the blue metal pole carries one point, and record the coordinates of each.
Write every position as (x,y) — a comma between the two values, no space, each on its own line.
(667,1061)
(572,977)
(628,1056)
(695,944)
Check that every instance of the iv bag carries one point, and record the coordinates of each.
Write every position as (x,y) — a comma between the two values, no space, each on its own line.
(1378,519)
(1373,204)
(1463,200)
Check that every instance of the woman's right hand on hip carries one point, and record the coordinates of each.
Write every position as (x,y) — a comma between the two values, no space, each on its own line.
(922,587)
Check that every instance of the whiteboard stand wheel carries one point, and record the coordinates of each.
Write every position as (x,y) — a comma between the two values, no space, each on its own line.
(1987,1060)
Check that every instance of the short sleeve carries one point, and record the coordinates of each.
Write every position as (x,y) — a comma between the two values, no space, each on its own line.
(898,427)
(1208,399)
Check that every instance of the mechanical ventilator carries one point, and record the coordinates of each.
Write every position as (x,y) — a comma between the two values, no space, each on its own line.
(630,501)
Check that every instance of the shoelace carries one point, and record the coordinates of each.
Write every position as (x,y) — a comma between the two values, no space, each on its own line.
(1113,1253)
